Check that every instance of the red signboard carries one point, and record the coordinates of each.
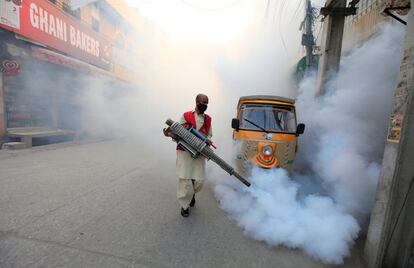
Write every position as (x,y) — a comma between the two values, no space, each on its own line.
(44,23)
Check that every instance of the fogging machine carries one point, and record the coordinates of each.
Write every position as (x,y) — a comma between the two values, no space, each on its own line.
(196,143)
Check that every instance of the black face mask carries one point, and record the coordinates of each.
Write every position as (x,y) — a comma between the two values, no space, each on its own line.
(201,107)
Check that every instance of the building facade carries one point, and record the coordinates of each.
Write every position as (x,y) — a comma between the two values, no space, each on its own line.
(370,16)
(49,52)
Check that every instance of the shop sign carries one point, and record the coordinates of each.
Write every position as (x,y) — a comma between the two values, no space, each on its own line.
(10,13)
(395,127)
(44,23)
(10,67)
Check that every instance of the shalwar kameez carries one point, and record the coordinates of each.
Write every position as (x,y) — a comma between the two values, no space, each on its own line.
(190,172)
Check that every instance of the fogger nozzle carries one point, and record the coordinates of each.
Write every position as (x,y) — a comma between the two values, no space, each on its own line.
(193,144)
(169,122)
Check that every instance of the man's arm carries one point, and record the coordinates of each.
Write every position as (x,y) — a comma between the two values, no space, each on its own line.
(182,120)
(210,132)
(209,135)
(168,132)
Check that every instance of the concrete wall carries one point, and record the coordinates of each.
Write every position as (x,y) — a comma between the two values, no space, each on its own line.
(391,232)
(399,239)
(2,109)
(364,24)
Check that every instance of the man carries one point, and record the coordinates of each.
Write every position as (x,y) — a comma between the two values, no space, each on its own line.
(190,171)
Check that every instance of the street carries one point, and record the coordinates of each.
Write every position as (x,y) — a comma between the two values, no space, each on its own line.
(310,104)
(113,204)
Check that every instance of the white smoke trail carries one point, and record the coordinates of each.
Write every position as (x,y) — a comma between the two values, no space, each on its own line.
(339,157)
(270,211)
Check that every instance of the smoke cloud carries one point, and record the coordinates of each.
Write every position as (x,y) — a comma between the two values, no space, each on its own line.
(344,143)
(270,211)
(322,207)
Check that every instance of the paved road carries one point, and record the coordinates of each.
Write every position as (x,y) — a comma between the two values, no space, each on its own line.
(112,204)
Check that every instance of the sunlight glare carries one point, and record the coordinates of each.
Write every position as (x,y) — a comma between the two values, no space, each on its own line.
(211,21)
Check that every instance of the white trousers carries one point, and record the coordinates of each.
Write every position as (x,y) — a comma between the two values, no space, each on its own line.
(186,189)
(190,174)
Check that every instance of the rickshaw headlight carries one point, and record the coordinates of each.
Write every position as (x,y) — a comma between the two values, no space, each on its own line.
(267,150)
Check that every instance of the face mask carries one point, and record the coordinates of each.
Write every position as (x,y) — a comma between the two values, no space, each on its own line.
(201,107)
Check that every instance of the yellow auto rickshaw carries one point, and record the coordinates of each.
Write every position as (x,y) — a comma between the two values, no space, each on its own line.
(266,133)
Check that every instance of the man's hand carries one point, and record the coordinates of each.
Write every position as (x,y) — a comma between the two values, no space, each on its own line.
(168,133)
(210,143)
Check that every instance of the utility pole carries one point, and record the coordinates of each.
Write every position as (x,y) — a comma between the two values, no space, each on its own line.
(334,12)
(307,38)
(390,238)
(267,11)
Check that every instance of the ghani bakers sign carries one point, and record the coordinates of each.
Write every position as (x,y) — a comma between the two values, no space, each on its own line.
(44,23)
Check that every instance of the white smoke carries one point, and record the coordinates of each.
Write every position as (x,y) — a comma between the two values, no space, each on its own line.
(322,209)
(347,128)
(270,211)
(323,206)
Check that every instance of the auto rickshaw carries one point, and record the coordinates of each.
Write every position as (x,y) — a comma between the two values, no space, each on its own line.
(266,133)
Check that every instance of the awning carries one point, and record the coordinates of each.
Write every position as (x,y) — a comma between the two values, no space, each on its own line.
(68,62)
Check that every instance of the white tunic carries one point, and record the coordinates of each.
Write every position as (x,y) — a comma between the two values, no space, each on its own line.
(186,166)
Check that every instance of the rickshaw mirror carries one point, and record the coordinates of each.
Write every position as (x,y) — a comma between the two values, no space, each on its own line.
(235,124)
(300,129)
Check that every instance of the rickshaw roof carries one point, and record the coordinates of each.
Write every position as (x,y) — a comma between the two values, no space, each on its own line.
(266,97)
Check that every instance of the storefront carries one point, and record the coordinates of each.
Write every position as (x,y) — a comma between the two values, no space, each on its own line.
(39,94)
(46,63)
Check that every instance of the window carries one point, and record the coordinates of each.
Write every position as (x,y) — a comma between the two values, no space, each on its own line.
(66,7)
(95,24)
(269,118)
(76,13)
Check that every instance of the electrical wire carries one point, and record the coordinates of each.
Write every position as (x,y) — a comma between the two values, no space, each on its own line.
(211,9)
(319,33)
(298,8)
(316,15)
(147,2)
(280,24)
(266,16)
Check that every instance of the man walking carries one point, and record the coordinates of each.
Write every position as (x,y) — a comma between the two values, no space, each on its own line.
(190,171)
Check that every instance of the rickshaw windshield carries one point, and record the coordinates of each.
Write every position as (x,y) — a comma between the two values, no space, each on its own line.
(272,118)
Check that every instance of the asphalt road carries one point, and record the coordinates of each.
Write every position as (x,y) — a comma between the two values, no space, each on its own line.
(112,204)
